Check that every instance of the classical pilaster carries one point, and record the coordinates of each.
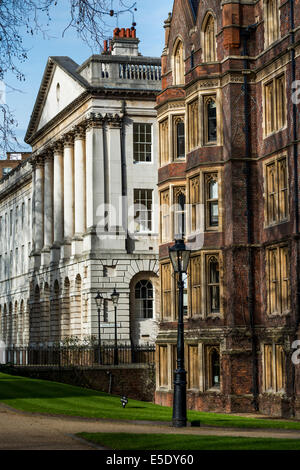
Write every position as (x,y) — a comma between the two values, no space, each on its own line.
(116,236)
(95,180)
(57,200)
(79,189)
(68,142)
(39,204)
(114,170)
(48,207)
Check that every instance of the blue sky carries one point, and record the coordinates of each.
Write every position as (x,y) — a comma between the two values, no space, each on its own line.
(149,17)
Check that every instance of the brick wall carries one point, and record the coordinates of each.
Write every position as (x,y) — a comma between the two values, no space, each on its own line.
(134,381)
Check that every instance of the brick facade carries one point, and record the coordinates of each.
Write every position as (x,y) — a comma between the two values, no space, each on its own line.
(243,238)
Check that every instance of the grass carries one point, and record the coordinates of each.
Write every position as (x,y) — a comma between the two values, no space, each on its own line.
(41,396)
(123,441)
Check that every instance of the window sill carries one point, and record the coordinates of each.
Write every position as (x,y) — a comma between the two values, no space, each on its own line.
(266,136)
(275,224)
(279,314)
(214,316)
(214,390)
(143,163)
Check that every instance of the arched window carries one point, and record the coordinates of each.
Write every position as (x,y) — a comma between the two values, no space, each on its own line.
(213,367)
(209,39)
(179,212)
(210,113)
(20,323)
(178,69)
(65,311)
(213,285)
(179,137)
(144,299)
(55,313)
(212,201)
(272,32)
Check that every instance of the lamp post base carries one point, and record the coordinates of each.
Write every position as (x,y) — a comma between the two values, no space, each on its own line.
(179,419)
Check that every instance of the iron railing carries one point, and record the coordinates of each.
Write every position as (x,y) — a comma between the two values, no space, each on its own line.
(64,356)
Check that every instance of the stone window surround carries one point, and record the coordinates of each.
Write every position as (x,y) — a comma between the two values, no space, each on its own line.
(165,375)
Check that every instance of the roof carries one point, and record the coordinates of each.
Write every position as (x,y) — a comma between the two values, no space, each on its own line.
(70,67)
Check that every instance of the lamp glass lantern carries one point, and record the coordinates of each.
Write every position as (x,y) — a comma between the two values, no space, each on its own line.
(99,300)
(115,297)
(179,256)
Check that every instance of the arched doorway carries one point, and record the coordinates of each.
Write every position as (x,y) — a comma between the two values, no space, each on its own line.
(144,298)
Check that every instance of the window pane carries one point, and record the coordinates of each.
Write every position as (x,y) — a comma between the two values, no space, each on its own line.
(212,121)
(180,140)
(142,142)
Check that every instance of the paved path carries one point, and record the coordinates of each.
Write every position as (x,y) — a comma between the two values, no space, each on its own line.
(28,431)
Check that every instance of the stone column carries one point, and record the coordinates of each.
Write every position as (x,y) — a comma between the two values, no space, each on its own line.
(39,204)
(79,190)
(95,181)
(48,207)
(116,238)
(57,201)
(68,194)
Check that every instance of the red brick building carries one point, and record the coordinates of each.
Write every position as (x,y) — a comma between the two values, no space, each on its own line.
(229,161)
(12,160)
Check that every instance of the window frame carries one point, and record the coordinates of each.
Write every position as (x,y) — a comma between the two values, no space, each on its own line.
(271,33)
(176,121)
(274,367)
(280,203)
(274,113)
(139,143)
(149,212)
(278,280)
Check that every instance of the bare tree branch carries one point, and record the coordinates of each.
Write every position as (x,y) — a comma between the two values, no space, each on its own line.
(87,17)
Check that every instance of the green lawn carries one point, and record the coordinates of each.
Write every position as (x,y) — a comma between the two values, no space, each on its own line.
(41,396)
(122,441)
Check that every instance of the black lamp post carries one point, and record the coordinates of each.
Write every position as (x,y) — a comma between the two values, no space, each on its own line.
(115,299)
(179,256)
(99,302)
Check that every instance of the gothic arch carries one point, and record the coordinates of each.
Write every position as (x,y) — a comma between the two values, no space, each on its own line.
(208,38)
(178,62)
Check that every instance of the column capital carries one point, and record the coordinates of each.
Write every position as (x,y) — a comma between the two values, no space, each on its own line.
(68,139)
(114,120)
(79,131)
(57,147)
(94,120)
(37,161)
(48,155)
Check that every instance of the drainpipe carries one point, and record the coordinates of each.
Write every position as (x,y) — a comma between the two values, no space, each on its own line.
(296,189)
(245,33)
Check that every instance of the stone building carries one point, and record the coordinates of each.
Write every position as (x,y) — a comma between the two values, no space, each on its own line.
(78,216)
(229,160)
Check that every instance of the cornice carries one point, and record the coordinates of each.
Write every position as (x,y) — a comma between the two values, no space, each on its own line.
(105,93)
